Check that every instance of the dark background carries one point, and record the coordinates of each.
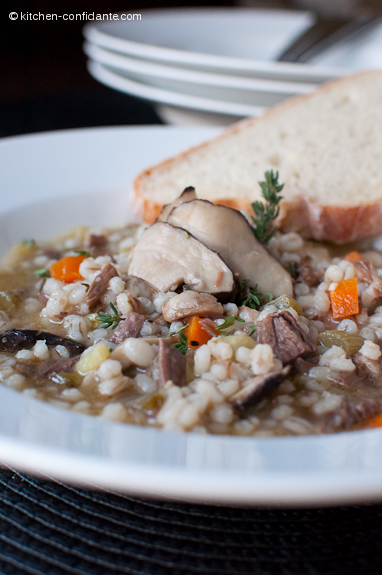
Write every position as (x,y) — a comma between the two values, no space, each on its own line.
(44,82)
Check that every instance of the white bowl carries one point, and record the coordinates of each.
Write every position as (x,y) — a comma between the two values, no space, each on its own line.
(113,79)
(234,41)
(234,89)
(52,182)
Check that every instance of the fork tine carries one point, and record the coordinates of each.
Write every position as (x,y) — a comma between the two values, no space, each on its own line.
(323,35)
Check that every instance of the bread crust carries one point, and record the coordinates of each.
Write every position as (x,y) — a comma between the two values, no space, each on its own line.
(338,224)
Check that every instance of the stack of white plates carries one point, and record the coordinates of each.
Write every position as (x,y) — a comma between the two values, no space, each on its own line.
(214,66)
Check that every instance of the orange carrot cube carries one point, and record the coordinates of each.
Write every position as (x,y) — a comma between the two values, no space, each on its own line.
(345,299)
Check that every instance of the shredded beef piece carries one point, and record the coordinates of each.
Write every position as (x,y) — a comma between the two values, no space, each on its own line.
(172,365)
(52,253)
(286,338)
(130,327)
(304,365)
(100,284)
(366,272)
(43,297)
(351,412)
(62,365)
(136,304)
(27,369)
(307,275)
(366,368)
(97,243)
(256,388)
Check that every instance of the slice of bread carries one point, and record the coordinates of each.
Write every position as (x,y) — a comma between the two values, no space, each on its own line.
(327,148)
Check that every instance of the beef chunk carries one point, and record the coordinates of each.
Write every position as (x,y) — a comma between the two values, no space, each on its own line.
(304,365)
(172,365)
(100,284)
(136,304)
(130,327)
(258,387)
(351,412)
(286,338)
(16,339)
(27,369)
(366,272)
(97,243)
(307,275)
(61,365)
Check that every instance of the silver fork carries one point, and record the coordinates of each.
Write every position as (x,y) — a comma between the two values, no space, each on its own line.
(325,33)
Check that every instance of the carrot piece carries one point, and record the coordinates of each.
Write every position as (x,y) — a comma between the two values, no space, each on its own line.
(375,421)
(67,269)
(345,299)
(353,257)
(199,331)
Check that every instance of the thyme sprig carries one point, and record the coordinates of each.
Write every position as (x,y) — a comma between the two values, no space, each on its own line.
(181,345)
(42,273)
(108,320)
(83,253)
(177,330)
(228,322)
(251,296)
(27,243)
(266,213)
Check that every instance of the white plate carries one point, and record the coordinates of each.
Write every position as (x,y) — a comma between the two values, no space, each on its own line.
(111,78)
(83,176)
(224,40)
(234,89)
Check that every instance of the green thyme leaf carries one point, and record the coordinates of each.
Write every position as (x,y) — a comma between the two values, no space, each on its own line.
(186,235)
(181,345)
(28,243)
(252,330)
(83,253)
(86,285)
(109,320)
(178,331)
(230,320)
(42,273)
(225,333)
(251,296)
(266,213)
(292,269)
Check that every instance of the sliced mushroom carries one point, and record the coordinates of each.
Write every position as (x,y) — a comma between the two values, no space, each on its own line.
(258,387)
(187,195)
(16,339)
(227,232)
(191,303)
(167,257)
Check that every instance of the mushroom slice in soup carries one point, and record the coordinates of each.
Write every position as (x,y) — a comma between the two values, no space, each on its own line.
(167,257)
(256,388)
(191,303)
(187,195)
(227,232)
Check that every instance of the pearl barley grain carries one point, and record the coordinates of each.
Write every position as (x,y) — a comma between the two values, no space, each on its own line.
(202,360)
(138,351)
(370,350)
